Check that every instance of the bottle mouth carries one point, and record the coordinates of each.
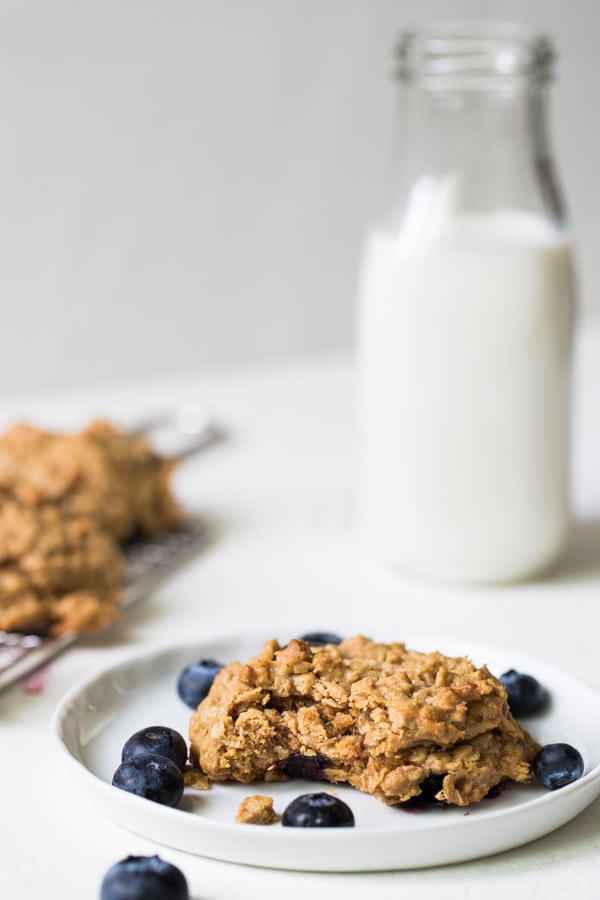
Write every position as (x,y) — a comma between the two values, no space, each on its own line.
(474,54)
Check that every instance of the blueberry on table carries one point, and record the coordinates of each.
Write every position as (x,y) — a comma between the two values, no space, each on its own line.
(144,878)
(526,696)
(158,740)
(153,777)
(320,638)
(194,682)
(318,811)
(557,765)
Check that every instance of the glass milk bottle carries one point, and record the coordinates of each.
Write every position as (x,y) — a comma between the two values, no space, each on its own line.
(465,317)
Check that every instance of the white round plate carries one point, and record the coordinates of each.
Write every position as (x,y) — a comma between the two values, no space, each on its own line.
(94,720)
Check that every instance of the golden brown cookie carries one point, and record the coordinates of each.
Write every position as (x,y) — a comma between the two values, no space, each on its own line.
(380,717)
(67,503)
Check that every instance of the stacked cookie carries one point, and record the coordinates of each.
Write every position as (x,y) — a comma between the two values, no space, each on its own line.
(390,721)
(68,503)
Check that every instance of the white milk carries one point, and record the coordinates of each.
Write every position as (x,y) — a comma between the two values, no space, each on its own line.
(464,358)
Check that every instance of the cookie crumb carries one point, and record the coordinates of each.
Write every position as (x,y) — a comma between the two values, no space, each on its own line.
(257,810)
(195,778)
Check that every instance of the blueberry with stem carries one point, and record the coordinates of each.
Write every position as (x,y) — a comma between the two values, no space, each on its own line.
(158,740)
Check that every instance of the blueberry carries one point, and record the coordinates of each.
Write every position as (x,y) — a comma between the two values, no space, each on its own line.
(430,786)
(526,696)
(194,682)
(144,878)
(557,765)
(320,638)
(300,766)
(317,811)
(158,740)
(153,777)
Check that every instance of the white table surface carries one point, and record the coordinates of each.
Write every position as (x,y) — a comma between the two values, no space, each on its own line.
(287,558)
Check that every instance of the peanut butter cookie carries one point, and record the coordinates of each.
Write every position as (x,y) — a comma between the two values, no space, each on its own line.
(383,718)
(67,504)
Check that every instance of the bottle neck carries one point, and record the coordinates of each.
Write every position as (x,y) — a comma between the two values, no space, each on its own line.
(473,120)
(491,145)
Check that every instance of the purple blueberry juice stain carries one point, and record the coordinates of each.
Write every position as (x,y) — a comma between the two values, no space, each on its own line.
(415,810)
(37,682)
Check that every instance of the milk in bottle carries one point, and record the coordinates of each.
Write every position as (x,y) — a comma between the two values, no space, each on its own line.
(465,327)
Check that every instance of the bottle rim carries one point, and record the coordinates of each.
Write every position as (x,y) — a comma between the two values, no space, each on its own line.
(471,54)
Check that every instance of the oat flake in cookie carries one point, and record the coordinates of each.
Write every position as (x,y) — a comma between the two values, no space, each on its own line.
(382,718)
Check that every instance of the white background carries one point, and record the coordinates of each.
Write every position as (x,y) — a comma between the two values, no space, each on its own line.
(187,183)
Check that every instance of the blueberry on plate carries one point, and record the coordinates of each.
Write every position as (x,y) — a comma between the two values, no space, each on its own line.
(194,682)
(158,740)
(153,777)
(144,878)
(317,811)
(320,638)
(557,765)
(526,696)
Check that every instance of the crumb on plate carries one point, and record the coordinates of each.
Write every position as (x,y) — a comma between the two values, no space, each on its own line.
(256,810)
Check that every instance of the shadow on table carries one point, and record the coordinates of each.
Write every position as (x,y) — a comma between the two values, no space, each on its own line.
(151,605)
(582,558)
